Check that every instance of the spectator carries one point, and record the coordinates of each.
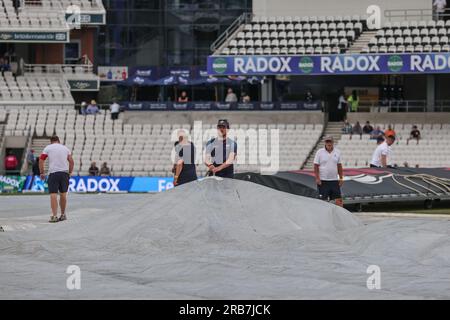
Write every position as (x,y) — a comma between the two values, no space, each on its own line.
(105,171)
(11,162)
(115,110)
(93,170)
(30,160)
(83,107)
(439,8)
(367,129)
(84,59)
(245,98)
(183,98)
(342,107)
(309,96)
(16,4)
(357,129)
(353,101)
(347,128)
(4,65)
(414,134)
(390,132)
(375,134)
(231,96)
(92,108)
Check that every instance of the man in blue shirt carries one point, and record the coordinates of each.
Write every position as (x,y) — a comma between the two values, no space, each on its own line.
(221,152)
(376,133)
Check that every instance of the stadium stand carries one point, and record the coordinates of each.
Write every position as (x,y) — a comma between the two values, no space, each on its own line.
(34,16)
(357,152)
(34,88)
(142,149)
(294,35)
(334,35)
(411,36)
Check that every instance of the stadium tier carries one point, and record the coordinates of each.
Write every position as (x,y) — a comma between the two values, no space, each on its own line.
(145,149)
(42,15)
(287,35)
(334,35)
(411,36)
(34,88)
(430,152)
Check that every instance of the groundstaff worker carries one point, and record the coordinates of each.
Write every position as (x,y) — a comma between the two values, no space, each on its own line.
(380,157)
(185,171)
(221,152)
(60,169)
(327,168)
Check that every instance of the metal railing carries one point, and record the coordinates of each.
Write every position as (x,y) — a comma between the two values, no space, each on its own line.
(244,18)
(59,68)
(56,5)
(36,4)
(24,169)
(442,106)
(403,106)
(416,14)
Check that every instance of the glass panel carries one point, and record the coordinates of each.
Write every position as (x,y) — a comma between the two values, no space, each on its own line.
(164,32)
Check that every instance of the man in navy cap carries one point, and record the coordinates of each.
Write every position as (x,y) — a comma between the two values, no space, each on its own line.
(221,152)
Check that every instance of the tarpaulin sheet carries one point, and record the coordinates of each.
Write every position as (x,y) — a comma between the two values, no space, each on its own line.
(370,182)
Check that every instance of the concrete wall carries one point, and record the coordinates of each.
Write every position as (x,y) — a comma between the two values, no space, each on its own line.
(331,8)
(15,142)
(401,117)
(234,117)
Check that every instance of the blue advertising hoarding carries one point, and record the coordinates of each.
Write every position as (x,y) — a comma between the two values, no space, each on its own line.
(105,184)
(358,64)
(223,106)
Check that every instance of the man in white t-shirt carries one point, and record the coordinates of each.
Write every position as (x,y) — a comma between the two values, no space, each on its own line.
(329,172)
(115,110)
(60,169)
(380,157)
(439,7)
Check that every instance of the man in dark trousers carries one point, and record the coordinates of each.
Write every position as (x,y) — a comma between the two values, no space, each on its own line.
(221,152)
(185,170)
(60,169)
(329,173)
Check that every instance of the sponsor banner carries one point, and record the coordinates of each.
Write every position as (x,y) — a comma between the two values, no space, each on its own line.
(44,37)
(12,183)
(222,106)
(88,18)
(103,184)
(112,74)
(83,85)
(361,185)
(329,64)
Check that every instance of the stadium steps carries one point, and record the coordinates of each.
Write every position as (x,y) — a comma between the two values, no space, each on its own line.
(333,129)
(38,146)
(362,42)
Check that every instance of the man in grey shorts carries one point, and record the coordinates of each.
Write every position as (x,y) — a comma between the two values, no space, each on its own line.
(60,169)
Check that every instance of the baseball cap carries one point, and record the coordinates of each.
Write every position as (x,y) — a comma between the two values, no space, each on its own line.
(329,138)
(223,123)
